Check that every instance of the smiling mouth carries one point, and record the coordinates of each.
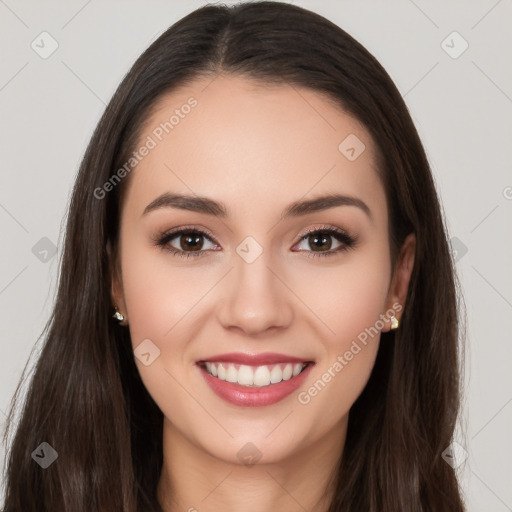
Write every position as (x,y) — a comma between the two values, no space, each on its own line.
(254,376)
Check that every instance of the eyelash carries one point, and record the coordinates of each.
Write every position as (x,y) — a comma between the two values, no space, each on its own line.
(348,241)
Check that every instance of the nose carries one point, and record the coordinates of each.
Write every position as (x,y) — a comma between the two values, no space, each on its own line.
(255,298)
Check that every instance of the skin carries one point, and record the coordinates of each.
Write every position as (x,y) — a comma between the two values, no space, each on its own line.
(256,149)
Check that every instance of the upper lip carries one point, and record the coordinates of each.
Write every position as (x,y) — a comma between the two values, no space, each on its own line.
(254,359)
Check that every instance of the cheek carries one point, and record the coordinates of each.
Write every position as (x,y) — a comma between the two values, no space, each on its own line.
(348,297)
(161,300)
(360,296)
(350,303)
(160,295)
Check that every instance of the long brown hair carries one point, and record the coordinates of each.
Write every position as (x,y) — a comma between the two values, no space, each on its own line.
(86,399)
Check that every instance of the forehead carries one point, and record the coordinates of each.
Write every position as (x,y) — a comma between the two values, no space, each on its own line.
(247,144)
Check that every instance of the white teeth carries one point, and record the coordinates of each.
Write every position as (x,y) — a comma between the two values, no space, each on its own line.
(276,375)
(245,375)
(254,376)
(231,374)
(287,372)
(262,376)
(211,369)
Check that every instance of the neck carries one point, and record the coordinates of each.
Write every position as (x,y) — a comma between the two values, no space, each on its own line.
(193,480)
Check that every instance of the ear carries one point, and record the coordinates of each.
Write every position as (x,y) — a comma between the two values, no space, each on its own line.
(117,294)
(400,281)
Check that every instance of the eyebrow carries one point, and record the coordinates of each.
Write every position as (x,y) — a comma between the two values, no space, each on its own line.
(209,206)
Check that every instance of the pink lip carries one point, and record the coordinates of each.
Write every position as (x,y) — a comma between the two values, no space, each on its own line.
(253,360)
(254,397)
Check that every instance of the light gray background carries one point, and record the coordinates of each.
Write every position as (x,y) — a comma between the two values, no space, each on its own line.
(461,106)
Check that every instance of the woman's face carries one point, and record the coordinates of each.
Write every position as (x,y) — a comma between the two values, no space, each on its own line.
(255,296)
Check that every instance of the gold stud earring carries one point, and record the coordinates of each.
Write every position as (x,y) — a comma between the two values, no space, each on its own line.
(394,322)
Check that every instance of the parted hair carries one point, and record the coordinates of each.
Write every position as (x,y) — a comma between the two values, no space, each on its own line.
(85,397)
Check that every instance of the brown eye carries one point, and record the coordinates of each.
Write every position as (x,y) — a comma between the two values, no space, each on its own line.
(186,242)
(319,242)
(190,242)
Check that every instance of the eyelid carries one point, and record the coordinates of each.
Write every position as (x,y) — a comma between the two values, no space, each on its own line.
(322,227)
(176,231)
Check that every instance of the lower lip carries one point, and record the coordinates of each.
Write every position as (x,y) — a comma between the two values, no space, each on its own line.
(254,397)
